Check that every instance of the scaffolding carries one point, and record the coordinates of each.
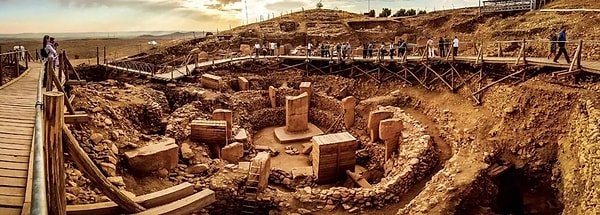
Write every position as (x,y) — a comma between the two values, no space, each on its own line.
(495,6)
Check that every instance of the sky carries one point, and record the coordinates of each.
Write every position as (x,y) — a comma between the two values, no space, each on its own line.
(65,16)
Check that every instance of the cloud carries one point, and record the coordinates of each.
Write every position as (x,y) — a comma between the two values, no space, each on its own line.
(286,5)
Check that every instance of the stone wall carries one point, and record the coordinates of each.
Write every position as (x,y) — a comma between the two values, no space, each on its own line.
(579,161)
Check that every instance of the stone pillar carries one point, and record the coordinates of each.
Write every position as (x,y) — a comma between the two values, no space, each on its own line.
(348,104)
(243,83)
(390,131)
(225,115)
(261,165)
(305,87)
(373,123)
(296,113)
(272,96)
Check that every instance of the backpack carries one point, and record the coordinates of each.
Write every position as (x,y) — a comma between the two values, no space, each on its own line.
(43,53)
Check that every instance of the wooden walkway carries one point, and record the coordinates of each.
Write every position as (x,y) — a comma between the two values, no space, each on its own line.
(17,119)
(586,66)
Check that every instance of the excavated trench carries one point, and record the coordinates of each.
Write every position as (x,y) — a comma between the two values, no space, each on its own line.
(516,127)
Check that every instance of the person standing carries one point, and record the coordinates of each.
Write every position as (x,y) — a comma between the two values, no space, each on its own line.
(430,49)
(442,47)
(278,48)
(365,51)
(553,45)
(455,46)
(562,40)
(392,50)
(382,51)
(348,50)
(257,49)
(272,48)
(309,48)
(402,48)
(370,47)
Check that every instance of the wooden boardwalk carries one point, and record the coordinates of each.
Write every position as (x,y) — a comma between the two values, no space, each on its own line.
(17,119)
(178,73)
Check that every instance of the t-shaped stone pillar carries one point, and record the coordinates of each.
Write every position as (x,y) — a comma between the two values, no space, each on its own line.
(305,87)
(227,116)
(373,123)
(390,131)
(348,104)
(296,113)
(272,96)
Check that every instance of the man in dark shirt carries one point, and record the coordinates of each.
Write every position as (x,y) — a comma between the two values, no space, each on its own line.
(562,40)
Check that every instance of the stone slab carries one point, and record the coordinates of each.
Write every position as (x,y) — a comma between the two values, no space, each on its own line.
(233,152)
(287,137)
(243,83)
(164,154)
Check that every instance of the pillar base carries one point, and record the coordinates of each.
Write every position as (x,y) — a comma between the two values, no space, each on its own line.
(287,137)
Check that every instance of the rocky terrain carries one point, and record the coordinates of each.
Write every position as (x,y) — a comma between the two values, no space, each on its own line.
(543,130)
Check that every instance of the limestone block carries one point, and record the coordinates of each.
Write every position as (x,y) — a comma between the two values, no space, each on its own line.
(243,83)
(390,131)
(209,131)
(349,103)
(296,111)
(305,171)
(153,157)
(390,128)
(272,97)
(233,152)
(305,87)
(186,151)
(211,81)
(245,49)
(242,136)
(261,165)
(373,123)
(227,115)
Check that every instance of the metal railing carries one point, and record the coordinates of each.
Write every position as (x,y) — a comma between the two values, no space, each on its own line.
(39,203)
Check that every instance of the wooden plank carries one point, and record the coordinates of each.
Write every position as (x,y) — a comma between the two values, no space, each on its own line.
(75,82)
(10,210)
(13,166)
(13,173)
(14,146)
(13,182)
(21,140)
(149,200)
(14,152)
(17,124)
(76,118)
(14,159)
(12,191)
(14,201)
(184,206)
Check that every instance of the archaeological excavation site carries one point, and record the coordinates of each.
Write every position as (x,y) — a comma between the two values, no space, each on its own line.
(208,127)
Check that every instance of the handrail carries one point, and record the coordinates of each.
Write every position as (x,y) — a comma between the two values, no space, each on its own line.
(39,202)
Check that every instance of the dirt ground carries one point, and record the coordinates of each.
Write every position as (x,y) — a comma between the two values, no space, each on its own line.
(284,161)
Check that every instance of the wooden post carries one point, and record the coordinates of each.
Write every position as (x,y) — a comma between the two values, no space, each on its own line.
(1,73)
(49,74)
(53,122)
(579,55)
(16,56)
(97,55)
(27,58)
(524,51)
(87,166)
(500,50)
(104,55)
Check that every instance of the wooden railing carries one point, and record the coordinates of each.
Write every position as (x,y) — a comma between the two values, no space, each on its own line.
(15,59)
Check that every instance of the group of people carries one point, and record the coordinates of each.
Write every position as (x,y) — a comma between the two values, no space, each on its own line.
(48,53)
(443,47)
(400,47)
(559,41)
(326,49)
(267,49)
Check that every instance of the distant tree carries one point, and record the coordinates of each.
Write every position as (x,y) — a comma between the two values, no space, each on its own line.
(385,12)
(399,13)
(422,12)
(319,5)
(372,13)
(411,12)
